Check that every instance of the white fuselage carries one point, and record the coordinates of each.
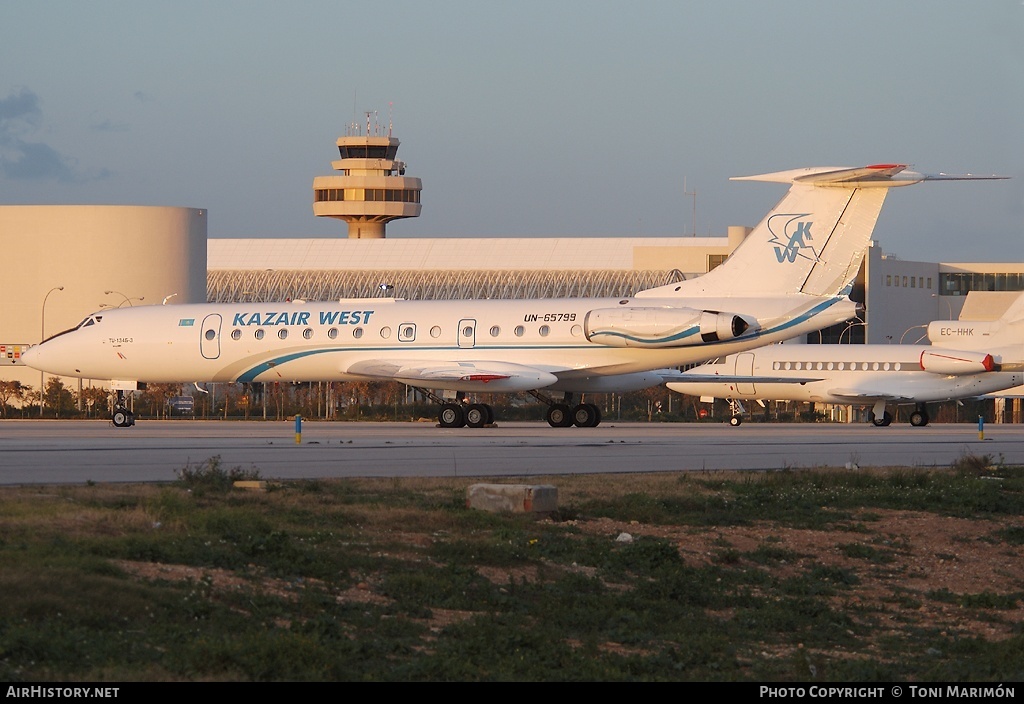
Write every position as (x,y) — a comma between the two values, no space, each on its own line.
(840,374)
(540,343)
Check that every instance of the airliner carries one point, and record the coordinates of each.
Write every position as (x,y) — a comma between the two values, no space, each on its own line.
(966,359)
(787,278)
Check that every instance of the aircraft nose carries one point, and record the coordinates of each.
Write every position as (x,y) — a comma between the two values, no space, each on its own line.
(31,356)
(38,357)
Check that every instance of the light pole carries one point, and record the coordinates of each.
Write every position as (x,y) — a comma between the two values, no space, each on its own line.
(913,327)
(849,327)
(949,306)
(126,299)
(42,336)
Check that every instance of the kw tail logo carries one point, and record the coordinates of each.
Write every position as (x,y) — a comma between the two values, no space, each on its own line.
(792,237)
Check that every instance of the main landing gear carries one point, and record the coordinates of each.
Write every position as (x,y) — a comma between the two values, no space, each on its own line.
(122,417)
(458,414)
(564,414)
(919,418)
(879,416)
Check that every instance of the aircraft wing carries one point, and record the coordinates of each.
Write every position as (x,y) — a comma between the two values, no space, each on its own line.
(864,395)
(483,376)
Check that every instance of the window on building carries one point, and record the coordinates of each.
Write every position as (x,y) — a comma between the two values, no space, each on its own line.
(715,260)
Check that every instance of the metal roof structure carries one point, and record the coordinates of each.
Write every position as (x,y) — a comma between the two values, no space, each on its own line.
(451,268)
(230,285)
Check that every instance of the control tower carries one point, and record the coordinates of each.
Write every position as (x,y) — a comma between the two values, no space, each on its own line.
(370,188)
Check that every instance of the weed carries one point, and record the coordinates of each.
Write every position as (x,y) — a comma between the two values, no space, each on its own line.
(210,475)
(1012,534)
(860,551)
(970,463)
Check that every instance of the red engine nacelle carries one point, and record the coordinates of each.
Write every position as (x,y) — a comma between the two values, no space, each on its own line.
(956,362)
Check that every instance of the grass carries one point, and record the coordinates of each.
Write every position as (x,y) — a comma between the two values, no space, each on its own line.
(782,576)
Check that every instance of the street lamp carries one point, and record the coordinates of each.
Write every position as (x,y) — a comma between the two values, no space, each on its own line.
(126,299)
(949,306)
(913,327)
(849,327)
(42,336)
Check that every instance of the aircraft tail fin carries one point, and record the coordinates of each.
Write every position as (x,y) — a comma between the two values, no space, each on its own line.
(813,240)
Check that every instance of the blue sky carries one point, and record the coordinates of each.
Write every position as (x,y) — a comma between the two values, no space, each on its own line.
(522,119)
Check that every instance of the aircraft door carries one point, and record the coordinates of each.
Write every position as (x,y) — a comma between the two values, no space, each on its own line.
(745,367)
(209,342)
(467,333)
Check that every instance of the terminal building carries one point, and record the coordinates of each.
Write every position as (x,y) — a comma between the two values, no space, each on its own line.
(77,259)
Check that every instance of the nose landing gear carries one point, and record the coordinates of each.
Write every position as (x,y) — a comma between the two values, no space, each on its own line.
(122,417)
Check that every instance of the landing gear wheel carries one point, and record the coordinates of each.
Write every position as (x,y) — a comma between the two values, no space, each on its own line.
(882,422)
(451,416)
(919,419)
(735,420)
(123,418)
(586,415)
(559,415)
(477,415)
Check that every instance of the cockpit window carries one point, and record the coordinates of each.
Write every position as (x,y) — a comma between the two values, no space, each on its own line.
(91,320)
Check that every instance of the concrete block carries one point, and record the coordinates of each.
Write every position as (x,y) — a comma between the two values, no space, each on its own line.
(513,498)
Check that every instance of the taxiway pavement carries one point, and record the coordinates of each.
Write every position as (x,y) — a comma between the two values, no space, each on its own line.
(72,452)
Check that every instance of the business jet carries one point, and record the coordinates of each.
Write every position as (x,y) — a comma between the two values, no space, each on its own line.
(966,359)
(787,278)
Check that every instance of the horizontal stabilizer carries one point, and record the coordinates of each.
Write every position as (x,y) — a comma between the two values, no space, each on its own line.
(883,175)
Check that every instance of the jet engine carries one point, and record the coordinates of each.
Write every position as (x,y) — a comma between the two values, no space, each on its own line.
(663,327)
(956,363)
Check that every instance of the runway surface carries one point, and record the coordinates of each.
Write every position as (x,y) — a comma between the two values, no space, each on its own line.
(71,452)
